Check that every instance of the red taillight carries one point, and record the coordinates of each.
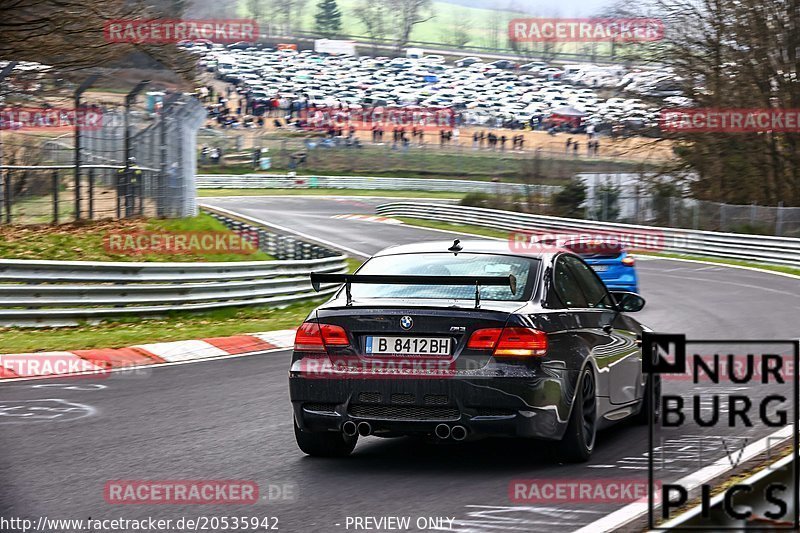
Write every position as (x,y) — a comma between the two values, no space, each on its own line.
(484,339)
(334,335)
(509,342)
(313,337)
(308,338)
(628,261)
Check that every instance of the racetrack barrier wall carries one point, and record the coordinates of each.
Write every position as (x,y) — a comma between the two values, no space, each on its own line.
(60,293)
(766,249)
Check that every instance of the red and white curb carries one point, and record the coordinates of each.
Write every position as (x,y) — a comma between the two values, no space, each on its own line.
(39,364)
(369,218)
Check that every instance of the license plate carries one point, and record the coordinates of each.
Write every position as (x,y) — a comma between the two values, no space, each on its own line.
(408,345)
(600,268)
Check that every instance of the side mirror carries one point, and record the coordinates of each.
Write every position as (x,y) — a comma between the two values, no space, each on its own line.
(630,302)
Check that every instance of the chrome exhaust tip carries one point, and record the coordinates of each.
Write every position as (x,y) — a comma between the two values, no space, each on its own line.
(364,429)
(442,431)
(459,433)
(349,428)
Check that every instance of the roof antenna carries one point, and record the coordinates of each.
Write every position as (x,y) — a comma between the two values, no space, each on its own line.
(456,247)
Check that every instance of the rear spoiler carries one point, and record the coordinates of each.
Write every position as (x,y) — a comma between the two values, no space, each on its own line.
(348,279)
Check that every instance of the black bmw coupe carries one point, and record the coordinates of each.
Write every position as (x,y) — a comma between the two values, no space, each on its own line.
(465,340)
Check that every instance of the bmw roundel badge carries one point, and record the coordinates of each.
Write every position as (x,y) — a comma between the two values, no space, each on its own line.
(406,322)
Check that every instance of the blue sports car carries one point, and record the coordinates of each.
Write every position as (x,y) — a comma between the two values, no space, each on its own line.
(615,266)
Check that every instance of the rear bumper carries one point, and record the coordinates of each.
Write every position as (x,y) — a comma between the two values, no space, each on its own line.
(537,406)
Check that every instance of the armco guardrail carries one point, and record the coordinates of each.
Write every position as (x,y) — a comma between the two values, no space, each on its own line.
(281,181)
(55,293)
(775,250)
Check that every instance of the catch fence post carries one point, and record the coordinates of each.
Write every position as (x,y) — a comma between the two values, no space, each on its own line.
(54,185)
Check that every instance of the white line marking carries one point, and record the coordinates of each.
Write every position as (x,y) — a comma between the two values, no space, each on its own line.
(636,510)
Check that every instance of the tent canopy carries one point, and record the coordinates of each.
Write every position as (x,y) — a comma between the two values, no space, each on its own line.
(569,111)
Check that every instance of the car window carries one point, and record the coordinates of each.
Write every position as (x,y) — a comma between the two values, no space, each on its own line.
(447,264)
(595,291)
(566,286)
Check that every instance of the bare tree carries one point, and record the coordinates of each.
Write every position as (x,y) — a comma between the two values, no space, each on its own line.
(374,15)
(735,54)
(255,9)
(407,14)
(460,31)
(495,26)
(69,34)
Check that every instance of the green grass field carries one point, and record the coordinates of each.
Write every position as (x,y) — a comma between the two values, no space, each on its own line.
(486,27)
(92,241)
(433,163)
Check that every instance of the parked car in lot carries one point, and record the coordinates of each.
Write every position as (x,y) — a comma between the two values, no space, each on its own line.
(467,61)
(456,341)
(492,90)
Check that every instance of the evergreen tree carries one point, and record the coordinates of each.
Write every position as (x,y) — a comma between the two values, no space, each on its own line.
(328,18)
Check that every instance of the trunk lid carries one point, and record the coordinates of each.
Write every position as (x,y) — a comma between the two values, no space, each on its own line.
(433,319)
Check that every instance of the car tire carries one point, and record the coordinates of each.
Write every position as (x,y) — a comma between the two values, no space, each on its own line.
(324,443)
(577,444)
(650,403)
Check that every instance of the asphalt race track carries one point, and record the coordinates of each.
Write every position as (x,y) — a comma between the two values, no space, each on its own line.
(230,419)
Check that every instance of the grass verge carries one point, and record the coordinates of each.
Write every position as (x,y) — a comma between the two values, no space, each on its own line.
(87,241)
(130,330)
(466,229)
(203,193)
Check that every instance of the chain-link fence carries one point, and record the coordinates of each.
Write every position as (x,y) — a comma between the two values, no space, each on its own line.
(630,198)
(139,161)
(223,153)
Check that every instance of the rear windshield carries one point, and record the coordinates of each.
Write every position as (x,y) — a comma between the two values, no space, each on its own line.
(447,264)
